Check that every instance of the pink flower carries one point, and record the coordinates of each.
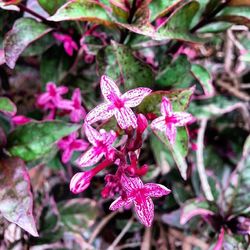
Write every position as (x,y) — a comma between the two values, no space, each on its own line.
(117,104)
(68,43)
(20,120)
(70,144)
(170,120)
(78,112)
(52,98)
(140,195)
(102,146)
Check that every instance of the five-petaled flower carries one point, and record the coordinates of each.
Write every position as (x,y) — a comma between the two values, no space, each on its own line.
(140,195)
(102,146)
(68,43)
(117,104)
(52,98)
(70,144)
(78,112)
(169,120)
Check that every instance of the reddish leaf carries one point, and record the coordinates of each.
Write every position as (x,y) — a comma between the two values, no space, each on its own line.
(16,201)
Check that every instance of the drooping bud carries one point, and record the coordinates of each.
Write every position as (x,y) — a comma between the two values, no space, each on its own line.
(142,123)
(81,181)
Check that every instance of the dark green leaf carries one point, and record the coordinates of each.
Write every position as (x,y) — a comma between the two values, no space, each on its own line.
(33,140)
(16,201)
(51,6)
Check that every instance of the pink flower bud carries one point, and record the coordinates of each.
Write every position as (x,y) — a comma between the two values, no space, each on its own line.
(20,120)
(142,123)
(81,181)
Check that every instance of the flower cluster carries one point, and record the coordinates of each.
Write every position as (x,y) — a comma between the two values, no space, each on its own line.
(106,149)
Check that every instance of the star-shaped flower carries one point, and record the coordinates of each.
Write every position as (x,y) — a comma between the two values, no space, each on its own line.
(102,146)
(70,144)
(68,43)
(140,195)
(78,112)
(169,120)
(117,104)
(52,98)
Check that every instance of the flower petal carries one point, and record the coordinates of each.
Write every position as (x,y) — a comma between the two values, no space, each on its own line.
(182,118)
(166,106)
(109,89)
(119,202)
(131,183)
(134,97)
(125,118)
(100,112)
(144,208)
(92,134)
(63,104)
(159,124)
(67,153)
(89,158)
(171,132)
(156,190)
(43,99)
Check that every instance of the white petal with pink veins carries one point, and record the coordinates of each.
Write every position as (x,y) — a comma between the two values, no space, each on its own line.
(134,97)
(109,89)
(166,106)
(159,124)
(119,203)
(131,183)
(171,132)
(100,112)
(182,118)
(93,135)
(89,158)
(125,118)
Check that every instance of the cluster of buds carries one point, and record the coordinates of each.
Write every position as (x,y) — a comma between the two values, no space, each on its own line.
(107,150)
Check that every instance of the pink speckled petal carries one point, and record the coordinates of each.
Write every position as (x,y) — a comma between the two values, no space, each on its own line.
(131,183)
(89,158)
(100,112)
(144,208)
(67,154)
(92,134)
(134,97)
(171,132)
(156,190)
(182,118)
(166,106)
(109,89)
(159,124)
(125,118)
(119,202)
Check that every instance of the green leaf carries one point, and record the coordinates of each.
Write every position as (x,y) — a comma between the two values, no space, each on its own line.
(176,73)
(79,214)
(180,100)
(178,24)
(82,10)
(161,7)
(7,106)
(118,62)
(204,78)
(24,32)
(215,27)
(33,140)
(15,195)
(51,6)
(179,150)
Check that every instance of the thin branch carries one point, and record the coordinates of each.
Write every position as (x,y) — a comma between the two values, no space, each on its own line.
(122,233)
(146,242)
(200,162)
(101,225)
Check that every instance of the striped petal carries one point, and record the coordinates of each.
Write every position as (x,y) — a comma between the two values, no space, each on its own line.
(171,132)
(134,97)
(125,118)
(182,118)
(131,184)
(156,190)
(89,158)
(166,106)
(144,208)
(100,112)
(92,134)
(109,89)
(159,124)
(119,203)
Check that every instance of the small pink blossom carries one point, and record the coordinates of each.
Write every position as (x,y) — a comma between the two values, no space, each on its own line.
(140,195)
(70,144)
(78,112)
(68,43)
(117,104)
(102,146)
(170,120)
(52,98)
(20,120)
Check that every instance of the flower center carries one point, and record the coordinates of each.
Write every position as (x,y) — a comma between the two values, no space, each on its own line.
(170,119)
